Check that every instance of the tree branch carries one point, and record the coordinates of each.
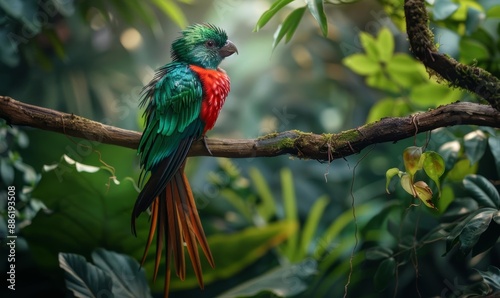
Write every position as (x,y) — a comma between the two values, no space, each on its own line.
(303,145)
(471,78)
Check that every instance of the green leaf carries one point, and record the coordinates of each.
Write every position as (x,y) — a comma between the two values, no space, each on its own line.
(475,145)
(378,253)
(434,167)
(267,207)
(388,107)
(388,177)
(380,81)
(384,274)
(482,191)
(473,230)
(311,226)
(494,144)
(268,14)
(432,94)
(288,26)
(317,10)
(128,277)
(362,64)
(83,278)
(83,211)
(276,281)
(6,171)
(449,152)
(171,9)
(405,70)
(491,277)
(369,45)
(411,159)
(290,205)
(493,12)
(460,170)
(472,50)
(442,9)
(385,44)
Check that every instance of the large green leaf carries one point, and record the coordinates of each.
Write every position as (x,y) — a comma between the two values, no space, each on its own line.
(128,278)
(276,281)
(83,213)
(83,278)
(482,191)
(474,229)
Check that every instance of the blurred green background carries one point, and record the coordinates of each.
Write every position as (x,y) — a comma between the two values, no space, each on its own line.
(92,58)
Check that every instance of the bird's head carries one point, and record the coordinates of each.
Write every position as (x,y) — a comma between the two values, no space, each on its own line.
(203,45)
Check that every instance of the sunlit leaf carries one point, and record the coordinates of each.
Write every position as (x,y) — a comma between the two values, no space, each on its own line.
(405,70)
(317,10)
(268,14)
(290,205)
(362,64)
(369,45)
(407,184)
(311,226)
(267,207)
(430,94)
(385,44)
(171,9)
(434,167)
(424,193)
(460,170)
(411,159)
(388,107)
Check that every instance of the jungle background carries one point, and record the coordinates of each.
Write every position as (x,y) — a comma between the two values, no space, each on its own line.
(276,226)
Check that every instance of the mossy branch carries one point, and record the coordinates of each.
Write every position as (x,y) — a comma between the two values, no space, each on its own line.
(470,78)
(324,147)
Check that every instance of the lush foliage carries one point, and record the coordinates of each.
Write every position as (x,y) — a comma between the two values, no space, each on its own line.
(274,226)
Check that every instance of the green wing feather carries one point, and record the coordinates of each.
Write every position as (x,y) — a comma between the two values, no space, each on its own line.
(173,100)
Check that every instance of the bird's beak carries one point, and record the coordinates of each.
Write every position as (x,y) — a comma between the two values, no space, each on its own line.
(228,49)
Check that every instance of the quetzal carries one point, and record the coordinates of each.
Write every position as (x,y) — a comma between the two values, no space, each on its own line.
(182,101)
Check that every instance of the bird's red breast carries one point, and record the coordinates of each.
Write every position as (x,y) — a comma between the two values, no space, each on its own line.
(216,85)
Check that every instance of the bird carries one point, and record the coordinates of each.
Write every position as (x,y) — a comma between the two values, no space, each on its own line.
(182,102)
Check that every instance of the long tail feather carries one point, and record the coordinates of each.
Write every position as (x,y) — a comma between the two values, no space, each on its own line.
(175,220)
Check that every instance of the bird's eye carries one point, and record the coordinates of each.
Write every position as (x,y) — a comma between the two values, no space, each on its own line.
(210,43)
